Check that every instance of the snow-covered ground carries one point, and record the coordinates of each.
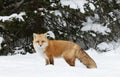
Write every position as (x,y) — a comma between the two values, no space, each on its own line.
(32,65)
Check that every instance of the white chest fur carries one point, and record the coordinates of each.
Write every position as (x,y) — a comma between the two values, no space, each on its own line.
(40,50)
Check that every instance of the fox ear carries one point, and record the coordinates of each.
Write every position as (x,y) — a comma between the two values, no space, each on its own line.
(35,35)
(45,35)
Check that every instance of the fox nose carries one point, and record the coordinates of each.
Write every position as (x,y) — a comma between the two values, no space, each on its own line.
(40,45)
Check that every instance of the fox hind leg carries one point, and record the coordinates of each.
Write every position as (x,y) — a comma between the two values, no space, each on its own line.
(51,61)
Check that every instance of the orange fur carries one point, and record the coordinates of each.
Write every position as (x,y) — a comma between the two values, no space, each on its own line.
(60,48)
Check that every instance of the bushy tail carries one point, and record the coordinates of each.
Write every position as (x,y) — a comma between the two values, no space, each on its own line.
(85,59)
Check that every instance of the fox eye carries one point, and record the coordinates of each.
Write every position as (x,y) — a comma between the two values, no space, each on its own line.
(37,41)
(42,41)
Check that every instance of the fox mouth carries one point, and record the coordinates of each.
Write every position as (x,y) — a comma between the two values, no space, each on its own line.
(39,47)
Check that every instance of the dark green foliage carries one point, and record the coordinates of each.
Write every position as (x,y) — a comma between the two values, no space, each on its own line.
(66,24)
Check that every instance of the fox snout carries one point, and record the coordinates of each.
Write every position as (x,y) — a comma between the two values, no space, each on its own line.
(40,45)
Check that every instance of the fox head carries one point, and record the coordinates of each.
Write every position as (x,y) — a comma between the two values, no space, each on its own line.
(40,40)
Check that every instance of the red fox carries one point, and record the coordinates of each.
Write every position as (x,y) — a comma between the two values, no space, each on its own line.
(50,49)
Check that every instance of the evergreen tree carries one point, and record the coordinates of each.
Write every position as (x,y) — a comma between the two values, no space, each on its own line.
(65,22)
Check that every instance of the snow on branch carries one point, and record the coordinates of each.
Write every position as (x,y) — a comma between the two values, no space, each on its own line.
(14,15)
(51,34)
(1,40)
(96,27)
(77,4)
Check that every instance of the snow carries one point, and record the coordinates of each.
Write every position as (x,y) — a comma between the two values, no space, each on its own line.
(14,15)
(19,51)
(109,46)
(92,6)
(113,16)
(75,4)
(118,1)
(51,34)
(96,27)
(104,46)
(1,40)
(56,12)
(32,65)
(53,5)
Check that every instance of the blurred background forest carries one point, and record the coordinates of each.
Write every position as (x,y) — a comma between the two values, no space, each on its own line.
(67,23)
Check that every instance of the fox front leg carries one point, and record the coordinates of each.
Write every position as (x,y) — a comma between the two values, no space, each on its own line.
(50,61)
